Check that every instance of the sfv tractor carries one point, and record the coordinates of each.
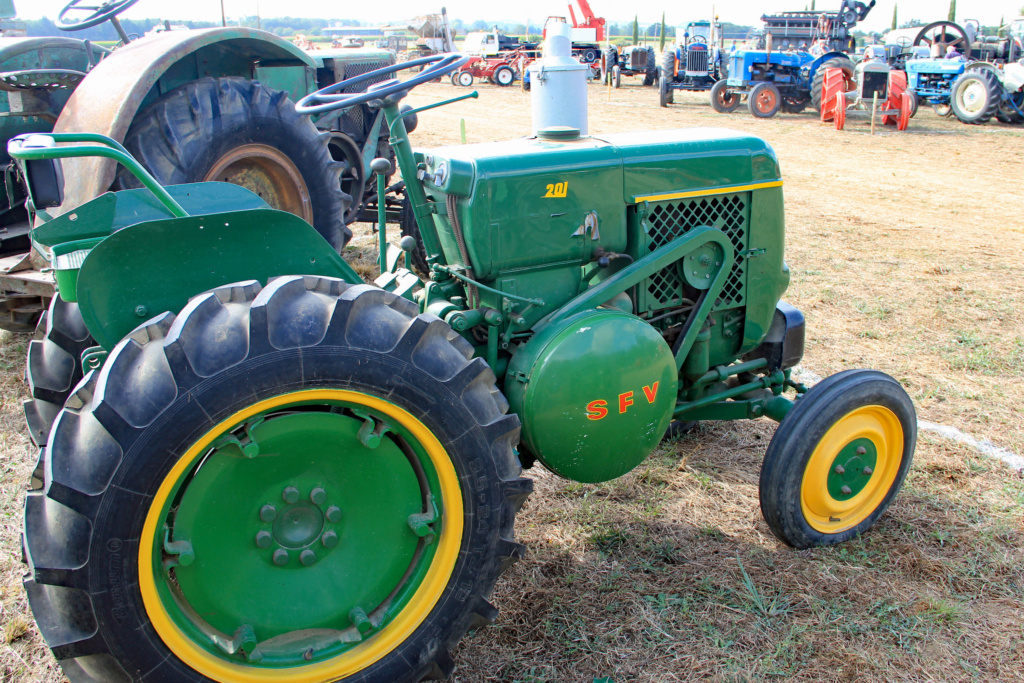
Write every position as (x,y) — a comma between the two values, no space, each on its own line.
(259,467)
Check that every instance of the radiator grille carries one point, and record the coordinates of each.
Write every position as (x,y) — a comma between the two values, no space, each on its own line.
(697,60)
(668,220)
(353,69)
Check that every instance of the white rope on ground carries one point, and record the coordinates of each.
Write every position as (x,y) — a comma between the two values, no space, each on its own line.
(952,433)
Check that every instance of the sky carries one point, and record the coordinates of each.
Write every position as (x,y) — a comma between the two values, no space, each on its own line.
(747,12)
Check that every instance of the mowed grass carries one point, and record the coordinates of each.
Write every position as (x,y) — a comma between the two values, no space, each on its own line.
(669,573)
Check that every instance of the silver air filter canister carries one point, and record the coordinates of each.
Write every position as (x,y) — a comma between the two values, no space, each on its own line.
(558,83)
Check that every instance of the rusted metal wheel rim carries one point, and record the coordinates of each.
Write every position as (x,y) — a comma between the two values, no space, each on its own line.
(269,173)
(766,101)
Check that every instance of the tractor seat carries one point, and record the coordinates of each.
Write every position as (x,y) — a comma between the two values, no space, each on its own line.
(40,79)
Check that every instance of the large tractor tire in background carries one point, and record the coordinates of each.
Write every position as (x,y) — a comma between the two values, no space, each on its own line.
(651,75)
(818,82)
(308,480)
(975,96)
(722,100)
(609,58)
(668,71)
(238,131)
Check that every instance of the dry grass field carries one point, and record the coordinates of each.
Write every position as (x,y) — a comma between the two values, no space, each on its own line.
(905,252)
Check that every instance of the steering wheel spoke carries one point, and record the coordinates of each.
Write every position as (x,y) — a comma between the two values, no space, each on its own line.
(334,97)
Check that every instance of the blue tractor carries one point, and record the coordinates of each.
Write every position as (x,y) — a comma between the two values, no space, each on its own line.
(776,81)
(787,74)
(696,63)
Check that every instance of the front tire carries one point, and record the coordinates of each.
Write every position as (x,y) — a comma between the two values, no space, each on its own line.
(236,130)
(838,459)
(313,436)
(975,96)
(764,100)
(504,76)
(722,100)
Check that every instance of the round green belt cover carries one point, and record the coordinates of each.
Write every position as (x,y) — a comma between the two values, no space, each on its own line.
(595,393)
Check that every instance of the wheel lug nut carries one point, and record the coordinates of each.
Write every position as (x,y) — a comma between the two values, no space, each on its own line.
(861,450)
(268,513)
(868,470)
(840,469)
(318,496)
(329,539)
(280,557)
(290,495)
(263,539)
(307,557)
(846,490)
(333,514)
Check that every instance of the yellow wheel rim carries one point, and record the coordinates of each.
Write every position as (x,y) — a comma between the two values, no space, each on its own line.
(873,430)
(374,648)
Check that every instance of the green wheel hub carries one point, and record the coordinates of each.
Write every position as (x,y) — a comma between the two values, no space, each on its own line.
(852,469)
(298,534)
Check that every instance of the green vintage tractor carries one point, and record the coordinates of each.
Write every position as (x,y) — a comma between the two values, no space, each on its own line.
(273,471)
(191,105)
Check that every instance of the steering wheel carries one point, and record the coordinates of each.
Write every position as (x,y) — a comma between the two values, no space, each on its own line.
(945,34)
(100,13)
(699,40)
(329,98)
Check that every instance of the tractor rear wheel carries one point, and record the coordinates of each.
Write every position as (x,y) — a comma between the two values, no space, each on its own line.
(651,76)
(722,100)
(504,76)
(238,131)
(609,58)
(975,96)
(838,459)
(1007,114)
(818,82)
(764,100)
(309,481)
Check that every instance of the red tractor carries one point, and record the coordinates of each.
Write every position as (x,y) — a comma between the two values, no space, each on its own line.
(503,70)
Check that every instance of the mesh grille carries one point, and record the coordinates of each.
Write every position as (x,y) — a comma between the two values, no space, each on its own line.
(668,220)
(353,69)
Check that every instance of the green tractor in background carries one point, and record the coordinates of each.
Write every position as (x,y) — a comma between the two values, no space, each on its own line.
(191,105)
(274,471)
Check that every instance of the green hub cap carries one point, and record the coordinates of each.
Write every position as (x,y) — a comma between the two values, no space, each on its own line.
(852,469)
(300,533)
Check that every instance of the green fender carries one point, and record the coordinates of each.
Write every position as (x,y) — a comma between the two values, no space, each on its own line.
(149,268)
(130,78)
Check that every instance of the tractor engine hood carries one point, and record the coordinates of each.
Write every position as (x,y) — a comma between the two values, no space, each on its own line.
(536,201)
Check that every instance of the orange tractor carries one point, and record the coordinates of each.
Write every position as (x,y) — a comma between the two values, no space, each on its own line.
(874,87)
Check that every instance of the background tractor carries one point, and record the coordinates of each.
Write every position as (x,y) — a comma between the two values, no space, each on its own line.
(696,63)
(191,106)
(985,81)
(255,415)
(879,89)
(772,81)
(634,60)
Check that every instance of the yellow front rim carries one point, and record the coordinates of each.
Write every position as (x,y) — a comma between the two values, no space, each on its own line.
(882,428)
(360,657)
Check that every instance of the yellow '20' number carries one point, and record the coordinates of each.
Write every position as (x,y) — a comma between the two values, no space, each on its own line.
(557,190)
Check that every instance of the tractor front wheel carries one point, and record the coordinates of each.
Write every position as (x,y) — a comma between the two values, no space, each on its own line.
(307,482)
(764,100)
(722,100)
(238,131)
(465,79)
(838,459)
(616,76)
(975,96)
